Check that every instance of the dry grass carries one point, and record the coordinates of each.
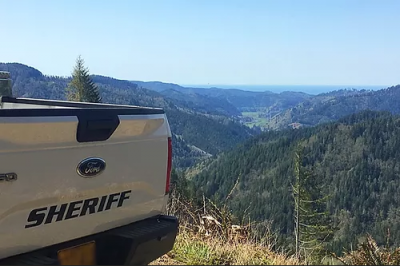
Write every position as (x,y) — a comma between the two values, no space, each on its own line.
(166,260)
(369,253)
(207,236)
(197,249)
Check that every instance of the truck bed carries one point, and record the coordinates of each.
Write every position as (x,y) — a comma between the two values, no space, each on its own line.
(70,170)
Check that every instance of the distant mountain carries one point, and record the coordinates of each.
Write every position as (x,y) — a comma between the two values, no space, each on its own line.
(202,103)
(356,159)
(157,85)
(334,105)
(344,92)
(240,99)
(197,134)
(279,110)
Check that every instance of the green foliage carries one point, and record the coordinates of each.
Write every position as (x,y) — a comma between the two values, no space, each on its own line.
(312,222)
(202,103)
(356,160)
(81,88)
(210,135)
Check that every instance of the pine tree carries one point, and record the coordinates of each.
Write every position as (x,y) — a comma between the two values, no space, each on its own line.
(82,88)
(313,227)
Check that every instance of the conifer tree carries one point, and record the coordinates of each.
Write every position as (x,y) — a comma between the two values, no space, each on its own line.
(313,228)
(82,88)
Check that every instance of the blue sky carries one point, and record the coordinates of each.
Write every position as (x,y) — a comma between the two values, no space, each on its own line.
(330,42)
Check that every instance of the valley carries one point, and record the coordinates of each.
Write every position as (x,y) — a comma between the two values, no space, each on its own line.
(276,111)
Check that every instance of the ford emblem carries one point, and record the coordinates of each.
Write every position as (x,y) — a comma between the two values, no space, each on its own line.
(91,167)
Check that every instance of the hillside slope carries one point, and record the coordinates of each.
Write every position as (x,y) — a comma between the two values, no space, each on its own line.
(240,99)
(332,106)
(356,159)
(199,135)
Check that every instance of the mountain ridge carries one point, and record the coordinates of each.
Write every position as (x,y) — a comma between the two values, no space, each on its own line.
(334,105)
(211,134)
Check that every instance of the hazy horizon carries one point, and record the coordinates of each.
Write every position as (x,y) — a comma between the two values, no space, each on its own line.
(309,89)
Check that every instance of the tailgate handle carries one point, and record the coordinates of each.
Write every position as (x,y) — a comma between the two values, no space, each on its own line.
(96,129)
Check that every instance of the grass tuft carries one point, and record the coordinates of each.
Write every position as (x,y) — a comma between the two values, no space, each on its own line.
(208,236)
(369,253)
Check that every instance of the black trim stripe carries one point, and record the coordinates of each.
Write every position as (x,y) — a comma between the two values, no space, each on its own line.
(76,112)
(82,109)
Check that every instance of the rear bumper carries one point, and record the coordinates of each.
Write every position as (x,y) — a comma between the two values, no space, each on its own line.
(138,243)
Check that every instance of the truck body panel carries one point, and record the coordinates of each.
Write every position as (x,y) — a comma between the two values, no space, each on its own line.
(49,202)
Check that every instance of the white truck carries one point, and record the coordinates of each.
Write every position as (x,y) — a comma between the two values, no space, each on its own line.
(83,183)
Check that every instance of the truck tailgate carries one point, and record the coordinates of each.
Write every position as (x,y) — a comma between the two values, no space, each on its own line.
(54,188)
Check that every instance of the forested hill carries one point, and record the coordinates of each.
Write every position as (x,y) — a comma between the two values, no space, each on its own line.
(332,106)
(196,134)
(229,101)
(357,159)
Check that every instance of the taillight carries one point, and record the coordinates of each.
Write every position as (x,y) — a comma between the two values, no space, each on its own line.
(169,166)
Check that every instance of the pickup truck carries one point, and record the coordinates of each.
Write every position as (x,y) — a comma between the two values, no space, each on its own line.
(83,183)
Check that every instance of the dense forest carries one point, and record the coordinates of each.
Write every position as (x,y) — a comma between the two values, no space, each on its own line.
(356,159)
(198,133)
